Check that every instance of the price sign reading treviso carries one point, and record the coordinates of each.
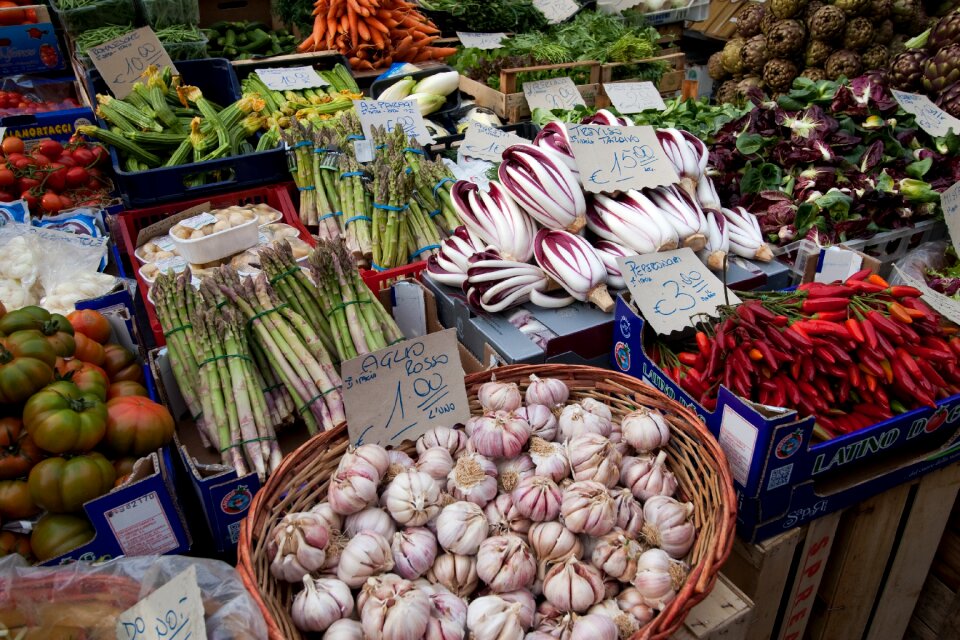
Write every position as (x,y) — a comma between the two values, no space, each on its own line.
(123,60)
(374,113)
(671,287)
(400,392)
(556,93)
(619,158)
(292,78)
(174,611)
(488,143)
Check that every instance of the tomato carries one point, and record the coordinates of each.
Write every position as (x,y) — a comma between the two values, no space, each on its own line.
(101,156)
(11,542)
(126,388)
(62,486)
(7,179)
(10,17)
(83,157)
(6,196)
(26,183)
(20,378)
(90,379)
(50,148)
(67,160)
(56,533)
(66,202)
(76,176)
(31,199)
(18,452)
(136,426)
(62,418)
(118,358)
(64,366)
(56,179)
(40,159)
(50,202)
(12,144)
(30,343)
(90,323)
(15,500)
(53,325)
(88,350)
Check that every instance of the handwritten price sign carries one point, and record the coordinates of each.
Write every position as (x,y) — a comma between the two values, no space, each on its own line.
(556,11)
(481,40)
(488,143)
(417,384)
(123,60)
(556,93)
(930,117)
(619,158)
(671,287)
(172,612)
(634,97)
(374,113)
(291,79)
(950,203)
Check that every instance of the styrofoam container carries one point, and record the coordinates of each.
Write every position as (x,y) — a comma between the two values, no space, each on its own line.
(219,245)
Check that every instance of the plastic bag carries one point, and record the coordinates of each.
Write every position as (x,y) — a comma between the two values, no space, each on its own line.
(927,256)
(27,94)
(83,601)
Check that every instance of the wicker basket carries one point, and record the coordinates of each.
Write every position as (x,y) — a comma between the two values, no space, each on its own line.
(695,458)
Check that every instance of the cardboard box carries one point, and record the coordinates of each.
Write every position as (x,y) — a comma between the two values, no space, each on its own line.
(58,125)
(782,478)
(30,48)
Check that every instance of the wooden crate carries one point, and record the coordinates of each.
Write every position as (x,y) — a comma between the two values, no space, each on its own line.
(937,614)
(721,22)
(724,613)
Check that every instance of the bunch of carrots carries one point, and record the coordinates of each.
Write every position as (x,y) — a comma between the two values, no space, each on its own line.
(374,33)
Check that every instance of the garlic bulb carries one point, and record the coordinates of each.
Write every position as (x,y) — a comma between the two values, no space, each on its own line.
(594,627)
(504,516)
(436,463)
(505,563)
(373,519)
(399,461)
(296,546)
(414,551)
(334,548)
(537,498)
(453,440)
(629,513)
(538,635)
(499,396)
(511,472)
(353,487)
(574,420)
(549,392)
(397,611)
(332,519)
(645,430)
(542,421)
(549,459)
(597,408)
(588,508)
(473,478)
(593,457)
(527,602)
(500,435)
(666,525)
(616,437)
(321,603)
(493,618)
(379,586)
(632,602)
(448,615)
(658,481)
(573,586)
(626,623)
(553,622)
(461,527)
(367,554)
(658,578)
(634,471)
(455,572)
(553,542)
(611,586)
(344,630)
(616,555)
(413,498)
(468,427)
(373,454)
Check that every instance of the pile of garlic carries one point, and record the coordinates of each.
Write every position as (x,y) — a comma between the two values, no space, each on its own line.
(549,520)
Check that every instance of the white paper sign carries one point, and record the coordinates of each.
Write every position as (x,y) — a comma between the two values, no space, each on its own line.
(619,158)
(481,40)
(950,203)
(363,150)
(172,612)
(488,143)
(123,60)
(556,10)
(634,97)
(291,78)
(944,305)
(835,263)
(375,113)
(671,287)
(930,117)
(400,392)
(556,93)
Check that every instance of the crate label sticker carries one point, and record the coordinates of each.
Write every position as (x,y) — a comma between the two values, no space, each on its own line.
(671,287)
(418,384)
(835,263)
(556,11)
(950,203)
(738,439)
(164,243)
(389,115)
(481,40)
(174,611)
(123,60)
(634,97)
(556,93)
(141,527)
(291,78)
(363,150)
(929,116)
(197,222)
(614,159)
(487,143)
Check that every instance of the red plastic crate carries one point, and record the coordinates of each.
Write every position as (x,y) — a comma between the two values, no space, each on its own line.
(131,222)
(377,280)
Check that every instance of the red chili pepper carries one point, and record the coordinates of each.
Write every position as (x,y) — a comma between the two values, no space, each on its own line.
(820,290)
(870,364)
(809,372)
(746,313)
(955,345)
(880,396)
(843,392)
(798,337)
(820,327)
(781,321)
(824,387)
(884,325)
(872,383)
(874,278)
(931,374)
(791,390)
(919,306)
(703,344)
(869,333)
(853,374)
(730,341)
(839,355)
(825,356)
(909,335)
(830,316)
(937,343)
(897,312)
(687,358)
(926,353)
(859,286)
(809,394)
(766,353)
(873,411)
(859,276)
(901,291)
(909,363)
(853,326)
(762,313)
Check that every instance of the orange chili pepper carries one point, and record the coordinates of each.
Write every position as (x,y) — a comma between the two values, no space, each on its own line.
(877,280)
(899,312)
(755,354)
(914,313)
(887,370)
(872,382)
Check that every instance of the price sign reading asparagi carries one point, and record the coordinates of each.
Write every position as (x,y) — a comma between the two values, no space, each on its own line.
(374,113)
(123,60)
(556,93)
(619,158)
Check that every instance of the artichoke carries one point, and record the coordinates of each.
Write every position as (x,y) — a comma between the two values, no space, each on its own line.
(755,54)
(906,70)
(715,66)
(786,38)
(880,9)
(843,63)
(730,56)
(814,73)
(949,100)
(817,53)
(942,69)
(778,74)
(945,32)
(784,9)
(767,22)
(828,23)
(905,8)
(812,7)
(727,93)
(748,22)
(851,7)
(875,57)
(884,31)
(858,34)
(747,83)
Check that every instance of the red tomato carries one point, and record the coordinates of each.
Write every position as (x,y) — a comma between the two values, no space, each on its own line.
(50,148)
(7,179)
(66,202)
(50,202)
(10,16)
(40,159)
(67,160)
(12,144)
(101,155)
(76,176)
(31,200)
(28,183)
(57,178)
(83,157)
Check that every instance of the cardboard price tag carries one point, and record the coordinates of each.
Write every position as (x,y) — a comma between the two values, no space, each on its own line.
(671,287)
(292,78)
(400,392)
(950,203)
(619,158)
(556,93)
(481,40)
(930,117)
(123,60)
(175,610)
(556,11)
(488,143)
(944,305)
(374,113)
(634,97)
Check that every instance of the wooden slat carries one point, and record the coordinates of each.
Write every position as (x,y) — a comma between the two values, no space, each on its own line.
(724,613)
(934,603)
(919,631)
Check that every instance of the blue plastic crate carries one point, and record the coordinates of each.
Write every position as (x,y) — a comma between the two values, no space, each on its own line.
(215,77)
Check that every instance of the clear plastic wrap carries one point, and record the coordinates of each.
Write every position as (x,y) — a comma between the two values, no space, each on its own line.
(929,255)
(28,94)
(83,601)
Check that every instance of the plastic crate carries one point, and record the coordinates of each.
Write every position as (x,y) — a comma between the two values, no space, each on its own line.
(215,77)
(131,222)
(695,11)
(97,14)
(379,280)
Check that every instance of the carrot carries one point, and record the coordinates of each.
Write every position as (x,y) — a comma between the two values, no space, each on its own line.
(306,45)
(442,52)
(362,31)
(373,23)
(352,18)
(377,39)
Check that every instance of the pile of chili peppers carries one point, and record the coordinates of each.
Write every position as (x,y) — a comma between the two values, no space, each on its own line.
(852,354)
